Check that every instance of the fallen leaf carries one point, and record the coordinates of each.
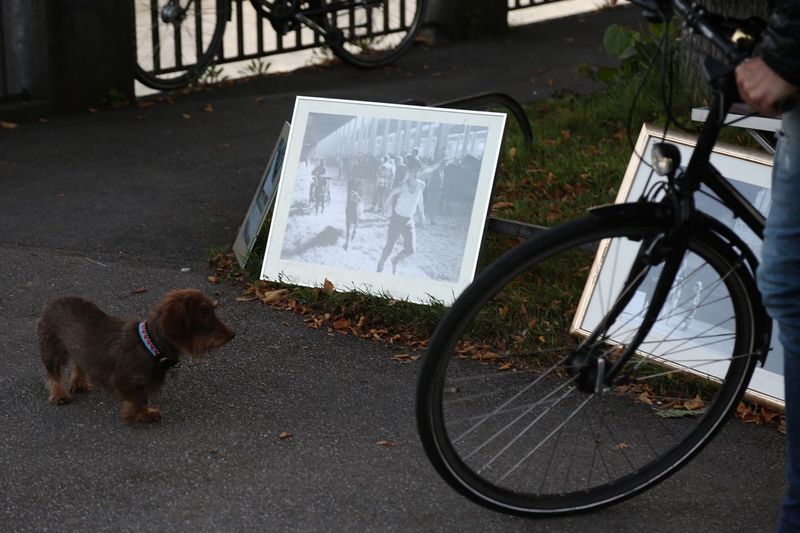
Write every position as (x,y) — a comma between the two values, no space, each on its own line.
(285,435)
(386,443)
(404,357)
(501,205)
(622,446)
(645,398)
(7,125)
(694,404)
(273,296)
(327,287)
(512,152)
(250,298)
(769,416)
(341,323)
(140,290)
(565,134)
(213,280)
(187,116)
(92,110)
(209,108)
(488,356)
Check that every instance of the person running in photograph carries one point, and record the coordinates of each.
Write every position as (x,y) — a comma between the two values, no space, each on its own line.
(317,175)
(352,210)
(407,199)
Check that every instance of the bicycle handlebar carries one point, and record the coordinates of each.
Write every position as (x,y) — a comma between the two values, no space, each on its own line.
(720,31)
(734,37)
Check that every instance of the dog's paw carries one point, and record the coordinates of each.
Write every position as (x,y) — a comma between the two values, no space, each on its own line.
(79,383)
(60,399)
(150,414)
(133,414)
(77,388)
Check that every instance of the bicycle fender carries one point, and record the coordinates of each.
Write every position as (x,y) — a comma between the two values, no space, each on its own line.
(740,250)
(634,210)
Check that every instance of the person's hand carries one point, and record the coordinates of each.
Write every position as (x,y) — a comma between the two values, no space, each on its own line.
(762,87)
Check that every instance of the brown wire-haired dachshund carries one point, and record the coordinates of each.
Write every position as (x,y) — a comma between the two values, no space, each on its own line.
(129,358)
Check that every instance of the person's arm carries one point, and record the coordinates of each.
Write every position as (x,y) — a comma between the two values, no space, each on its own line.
(765,81)
(762,87)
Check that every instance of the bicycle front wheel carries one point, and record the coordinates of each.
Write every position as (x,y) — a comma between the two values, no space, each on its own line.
(176,40)
(502,411)
(373,33)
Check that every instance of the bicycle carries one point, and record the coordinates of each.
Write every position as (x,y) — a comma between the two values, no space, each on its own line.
(526,409)
(176,40)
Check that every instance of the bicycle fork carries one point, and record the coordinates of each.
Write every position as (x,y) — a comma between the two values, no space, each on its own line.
(596,375)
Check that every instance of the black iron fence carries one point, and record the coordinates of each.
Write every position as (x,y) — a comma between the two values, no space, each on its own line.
(249,37)
(524,4)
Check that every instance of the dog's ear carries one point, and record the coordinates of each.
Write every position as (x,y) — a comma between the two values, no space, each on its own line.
(172,318)
(177,310)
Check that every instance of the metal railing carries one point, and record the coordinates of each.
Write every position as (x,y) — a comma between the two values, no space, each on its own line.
(524,4)
(250,37)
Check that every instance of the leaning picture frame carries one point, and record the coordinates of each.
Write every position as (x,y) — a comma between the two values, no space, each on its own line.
(262,200)
(386,199)
(749,171)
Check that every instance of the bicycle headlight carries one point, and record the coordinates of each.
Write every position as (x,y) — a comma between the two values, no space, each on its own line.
(666,158)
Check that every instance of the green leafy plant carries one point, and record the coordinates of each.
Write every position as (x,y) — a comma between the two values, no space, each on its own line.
(256,67)
(638,52)
(212,75)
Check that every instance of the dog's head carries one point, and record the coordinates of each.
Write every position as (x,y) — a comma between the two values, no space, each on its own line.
(187,319)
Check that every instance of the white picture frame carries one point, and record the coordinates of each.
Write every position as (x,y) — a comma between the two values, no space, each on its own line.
(262,200)
(750,172)
(308,235)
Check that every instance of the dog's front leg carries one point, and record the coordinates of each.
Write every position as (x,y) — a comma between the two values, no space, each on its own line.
(135,408)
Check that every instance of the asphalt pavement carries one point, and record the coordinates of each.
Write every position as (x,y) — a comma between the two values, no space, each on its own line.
(122,205)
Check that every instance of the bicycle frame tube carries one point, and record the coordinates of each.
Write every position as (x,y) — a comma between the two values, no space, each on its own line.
(698,171)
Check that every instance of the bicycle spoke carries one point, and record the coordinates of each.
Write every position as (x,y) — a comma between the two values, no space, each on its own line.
(530,423)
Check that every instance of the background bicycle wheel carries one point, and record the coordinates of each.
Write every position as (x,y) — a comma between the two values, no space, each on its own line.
(176,41)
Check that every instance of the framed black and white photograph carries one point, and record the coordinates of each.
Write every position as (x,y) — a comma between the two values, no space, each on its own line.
(386,199)
(262,200)
(750,172)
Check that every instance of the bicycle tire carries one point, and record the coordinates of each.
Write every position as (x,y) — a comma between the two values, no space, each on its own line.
(376,32)
(470,430)
(163,48)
